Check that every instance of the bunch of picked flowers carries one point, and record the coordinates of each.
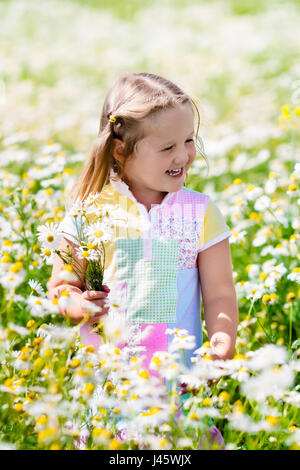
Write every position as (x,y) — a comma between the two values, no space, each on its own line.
(93,229)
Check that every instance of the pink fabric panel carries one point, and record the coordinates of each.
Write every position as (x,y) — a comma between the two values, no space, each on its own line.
(157,340)
(89,339)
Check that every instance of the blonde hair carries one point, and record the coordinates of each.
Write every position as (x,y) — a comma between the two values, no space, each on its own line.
(131,100)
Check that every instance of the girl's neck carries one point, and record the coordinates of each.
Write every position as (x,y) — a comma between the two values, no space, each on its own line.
(157,200)
(147,198)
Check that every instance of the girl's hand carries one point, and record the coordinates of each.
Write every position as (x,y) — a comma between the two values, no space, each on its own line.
(98,299)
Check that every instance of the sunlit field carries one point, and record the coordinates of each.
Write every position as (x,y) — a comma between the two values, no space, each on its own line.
(240,61)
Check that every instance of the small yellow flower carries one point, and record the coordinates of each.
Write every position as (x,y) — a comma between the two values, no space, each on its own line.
(37,341)
(224,396)
(285,110)
(48,353)
(42,420)
(263,276)
(38,363)
(156,361)
(163,442)
(23,357)
(16,267)
(292,187)
(30,323)
(54,389)
(238,407)
(237,181)
(266,298)
(108,387)
(6,259)
(144,374)
(47,433)
(100,432)
(75,363)
(62,371)
(280,341)
(273,420)
(114,444)
(89,388)
(207,358)
(90,349)
(290,296)
(206,401)
(65,293)
(18,407)
(55,446)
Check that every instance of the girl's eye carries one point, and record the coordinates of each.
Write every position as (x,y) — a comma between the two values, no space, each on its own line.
(169,148)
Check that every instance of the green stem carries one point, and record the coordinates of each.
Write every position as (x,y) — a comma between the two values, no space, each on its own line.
(249,311)
(290,325)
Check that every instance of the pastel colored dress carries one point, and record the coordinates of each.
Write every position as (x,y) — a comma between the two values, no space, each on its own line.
(152,262)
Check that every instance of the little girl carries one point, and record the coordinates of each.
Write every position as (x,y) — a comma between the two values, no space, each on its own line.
(173,247)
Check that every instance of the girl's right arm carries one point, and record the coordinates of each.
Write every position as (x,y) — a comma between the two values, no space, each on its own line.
(77,310)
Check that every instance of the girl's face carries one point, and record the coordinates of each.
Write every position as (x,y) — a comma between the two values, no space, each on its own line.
(169,145)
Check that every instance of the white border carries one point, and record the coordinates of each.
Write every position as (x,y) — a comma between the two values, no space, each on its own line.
(215,240)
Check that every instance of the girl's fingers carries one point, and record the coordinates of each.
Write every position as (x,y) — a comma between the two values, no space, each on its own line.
(94,294)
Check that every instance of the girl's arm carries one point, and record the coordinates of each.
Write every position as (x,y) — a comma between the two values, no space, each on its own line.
(219,298)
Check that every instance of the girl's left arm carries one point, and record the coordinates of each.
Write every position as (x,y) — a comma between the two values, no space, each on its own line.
(219,298)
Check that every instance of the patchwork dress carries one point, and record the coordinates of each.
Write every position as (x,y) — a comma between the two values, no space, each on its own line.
(152,262)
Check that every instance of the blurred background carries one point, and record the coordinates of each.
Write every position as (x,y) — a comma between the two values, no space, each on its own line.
(239,58)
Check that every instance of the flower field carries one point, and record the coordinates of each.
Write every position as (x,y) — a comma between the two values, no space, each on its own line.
(240,60)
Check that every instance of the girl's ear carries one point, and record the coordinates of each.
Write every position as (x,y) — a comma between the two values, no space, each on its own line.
(118,150)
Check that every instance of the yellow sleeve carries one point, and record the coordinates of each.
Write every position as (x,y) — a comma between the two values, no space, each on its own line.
(214,228)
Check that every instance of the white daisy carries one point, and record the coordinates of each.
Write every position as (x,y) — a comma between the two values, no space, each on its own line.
(68,273)
(91,200)
(47,255)
(99,232)
(83,252)
(12,280)
(21,330)
(49,236)
(36,306)
(36,286)
(294,275)
(76,209)
(262,203)
(116,328)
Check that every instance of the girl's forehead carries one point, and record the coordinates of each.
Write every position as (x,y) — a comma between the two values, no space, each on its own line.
(167,122)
